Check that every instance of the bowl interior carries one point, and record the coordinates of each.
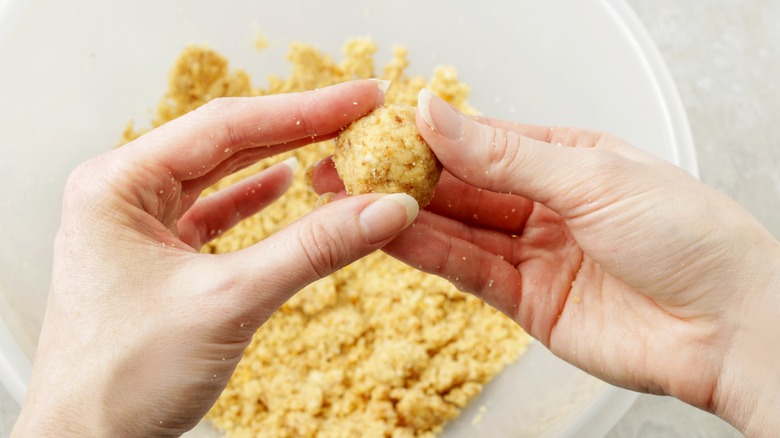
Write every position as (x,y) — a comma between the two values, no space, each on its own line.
(73,77)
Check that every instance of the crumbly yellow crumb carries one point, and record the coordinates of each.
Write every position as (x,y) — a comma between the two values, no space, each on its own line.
(377,349)
(478,418)
(260,41)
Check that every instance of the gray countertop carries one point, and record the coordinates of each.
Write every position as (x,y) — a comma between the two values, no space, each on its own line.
(725,57)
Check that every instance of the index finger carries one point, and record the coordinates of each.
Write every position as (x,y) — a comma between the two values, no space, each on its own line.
(570,137)
(201,140)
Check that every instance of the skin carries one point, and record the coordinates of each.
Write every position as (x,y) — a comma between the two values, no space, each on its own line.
(142,332)
(619,262)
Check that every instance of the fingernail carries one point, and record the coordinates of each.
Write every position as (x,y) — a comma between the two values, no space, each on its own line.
(308,175)
(292,163)
(382,84)
(324,199)
(440,115)
(387,216)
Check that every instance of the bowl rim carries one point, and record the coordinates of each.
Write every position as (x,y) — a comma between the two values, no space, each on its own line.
(614,402)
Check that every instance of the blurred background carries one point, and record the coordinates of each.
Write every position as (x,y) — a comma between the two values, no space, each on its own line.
(725,58)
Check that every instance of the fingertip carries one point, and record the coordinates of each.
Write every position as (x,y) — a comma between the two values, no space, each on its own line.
(291,163)
(382,84)
(409,204)
(423,106)
(324,199)
(387,216)
(324,178)
(375,88)
(440,116)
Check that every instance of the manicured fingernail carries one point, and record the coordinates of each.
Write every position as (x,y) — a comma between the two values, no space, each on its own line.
(292,163)
(440,116)
(387,216)
(382,84)
(308,175)
(324,199)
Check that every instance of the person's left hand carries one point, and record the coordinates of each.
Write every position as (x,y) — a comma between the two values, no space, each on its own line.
(142,332)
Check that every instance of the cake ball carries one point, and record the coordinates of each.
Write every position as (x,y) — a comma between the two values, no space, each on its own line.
(383,152)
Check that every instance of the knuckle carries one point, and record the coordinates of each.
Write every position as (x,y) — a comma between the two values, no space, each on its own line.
(574,137)
(87,192)
(323,247)
(606,164)
(506,152)
(301,115)
(84,182)
(601,138)
(441,260)
(225,109)
(218,105)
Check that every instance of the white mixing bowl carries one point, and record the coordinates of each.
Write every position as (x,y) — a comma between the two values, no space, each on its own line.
(73,73)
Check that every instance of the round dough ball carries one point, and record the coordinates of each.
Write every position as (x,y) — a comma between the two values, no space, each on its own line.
(383,152)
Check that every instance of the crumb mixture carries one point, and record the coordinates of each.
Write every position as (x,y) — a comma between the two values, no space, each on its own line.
(384,152)
(377,349)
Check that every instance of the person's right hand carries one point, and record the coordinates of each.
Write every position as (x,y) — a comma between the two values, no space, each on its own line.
(142,331)
(619,262)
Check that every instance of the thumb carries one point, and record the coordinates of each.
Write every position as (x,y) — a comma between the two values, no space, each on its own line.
(497,156)
(318,244)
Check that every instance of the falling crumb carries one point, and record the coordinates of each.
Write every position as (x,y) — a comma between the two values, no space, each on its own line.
(478,418)
(325,198)
(376,349)
(575,299)
(260,41)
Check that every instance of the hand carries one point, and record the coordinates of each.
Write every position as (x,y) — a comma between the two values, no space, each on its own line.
(619,262)
(142,332)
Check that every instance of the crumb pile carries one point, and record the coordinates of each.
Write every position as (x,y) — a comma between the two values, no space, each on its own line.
(383,152)
(377,349)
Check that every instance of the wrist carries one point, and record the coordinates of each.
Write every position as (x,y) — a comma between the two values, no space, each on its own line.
(61,402)
(748,391)
(53,420)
